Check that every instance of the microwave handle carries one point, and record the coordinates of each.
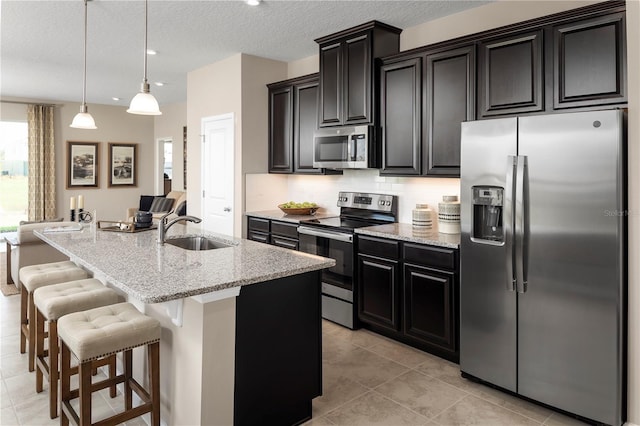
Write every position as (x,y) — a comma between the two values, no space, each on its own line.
(351,149)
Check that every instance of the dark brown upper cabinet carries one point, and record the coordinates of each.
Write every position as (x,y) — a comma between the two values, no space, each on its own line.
(293,118)
(280,128)
(401,116)
(305,122)
(450,100)
(589,62)
(347,73)
(510,74)
(421,108)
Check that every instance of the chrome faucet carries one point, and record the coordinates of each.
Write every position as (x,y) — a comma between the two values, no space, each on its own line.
(163,225)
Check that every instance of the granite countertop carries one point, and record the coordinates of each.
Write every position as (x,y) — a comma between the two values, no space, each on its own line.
(405,232)
(280,215)
(134,263)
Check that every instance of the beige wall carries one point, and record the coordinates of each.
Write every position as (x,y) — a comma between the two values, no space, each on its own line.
(633,68)
(234,85)
(114,125)
(308,65)
(169,126)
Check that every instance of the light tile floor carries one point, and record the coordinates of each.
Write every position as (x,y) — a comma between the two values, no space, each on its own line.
(368,380)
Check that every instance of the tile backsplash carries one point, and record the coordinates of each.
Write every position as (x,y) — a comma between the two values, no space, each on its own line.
(266,191)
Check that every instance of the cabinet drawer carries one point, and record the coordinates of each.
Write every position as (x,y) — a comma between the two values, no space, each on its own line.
(284,229)
(437,257)
(389,249)
(258,236)
(258,224)
(289,243)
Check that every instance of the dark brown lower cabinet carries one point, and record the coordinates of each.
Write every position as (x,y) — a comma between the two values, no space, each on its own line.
(281,234)
(428,306)
(379,291)
(410,292)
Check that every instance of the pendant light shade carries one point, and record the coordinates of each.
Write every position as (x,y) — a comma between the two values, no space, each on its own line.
(144,103)
(84,120)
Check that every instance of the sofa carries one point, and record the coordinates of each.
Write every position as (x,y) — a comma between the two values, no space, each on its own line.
(178,198)
(31,250)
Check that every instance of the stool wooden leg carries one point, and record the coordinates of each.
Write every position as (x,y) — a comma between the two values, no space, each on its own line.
(32,332)
(84,373)
(53,369)
(153,362)
(65,382)
(24,296)
(127,367)
(113,392)
(38,324)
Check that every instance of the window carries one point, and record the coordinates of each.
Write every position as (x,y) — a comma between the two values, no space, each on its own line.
(14,184)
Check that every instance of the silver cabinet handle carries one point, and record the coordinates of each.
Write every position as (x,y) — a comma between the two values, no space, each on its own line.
(508,222)
(227,209)
(520,219)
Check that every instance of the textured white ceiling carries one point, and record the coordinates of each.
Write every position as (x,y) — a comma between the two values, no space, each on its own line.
(41,41)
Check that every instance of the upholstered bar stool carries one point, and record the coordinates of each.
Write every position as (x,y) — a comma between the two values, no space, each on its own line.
(33,277)
(52,302)
(96,333)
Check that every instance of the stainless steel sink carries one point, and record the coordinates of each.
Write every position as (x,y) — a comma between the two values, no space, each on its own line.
(196,243)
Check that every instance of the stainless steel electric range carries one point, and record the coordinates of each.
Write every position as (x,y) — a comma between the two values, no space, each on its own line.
(333,237)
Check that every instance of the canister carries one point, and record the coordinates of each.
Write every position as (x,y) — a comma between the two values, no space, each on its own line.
(422,217)
(449,215)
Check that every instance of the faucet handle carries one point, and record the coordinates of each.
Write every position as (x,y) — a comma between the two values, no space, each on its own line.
(163,218)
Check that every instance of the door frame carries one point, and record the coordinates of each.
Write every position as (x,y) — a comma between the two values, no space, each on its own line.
(159,164)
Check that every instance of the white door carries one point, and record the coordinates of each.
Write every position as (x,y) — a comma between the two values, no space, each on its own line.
(218,173)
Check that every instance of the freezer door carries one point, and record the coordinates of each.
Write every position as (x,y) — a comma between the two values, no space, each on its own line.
(487,306)
(571,314)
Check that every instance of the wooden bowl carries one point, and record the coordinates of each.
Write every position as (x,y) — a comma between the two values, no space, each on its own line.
(301,211)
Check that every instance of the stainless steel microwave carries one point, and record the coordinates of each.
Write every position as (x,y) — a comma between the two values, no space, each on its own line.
(344,148)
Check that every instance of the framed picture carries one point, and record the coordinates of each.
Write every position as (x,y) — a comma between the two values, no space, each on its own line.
(82,164)
(122,164)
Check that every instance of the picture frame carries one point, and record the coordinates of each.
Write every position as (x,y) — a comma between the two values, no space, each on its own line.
(83,160)
(123,165)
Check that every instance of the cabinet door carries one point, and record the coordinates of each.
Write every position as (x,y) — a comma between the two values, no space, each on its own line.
(280,130)
(450,87)
(357,80)
(429,306)
(589,62)
(261,237)
(401,112)
(305,123)
(511,74)
(379,292)
(330,111)
(285,242)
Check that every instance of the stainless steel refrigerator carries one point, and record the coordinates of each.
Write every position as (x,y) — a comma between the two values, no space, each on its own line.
(543,259)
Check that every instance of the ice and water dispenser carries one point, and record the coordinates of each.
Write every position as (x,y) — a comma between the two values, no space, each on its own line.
(487,214)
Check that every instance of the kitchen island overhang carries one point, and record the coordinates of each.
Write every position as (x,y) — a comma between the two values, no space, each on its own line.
(243,341)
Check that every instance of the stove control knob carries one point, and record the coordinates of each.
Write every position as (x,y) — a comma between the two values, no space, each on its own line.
(388,203)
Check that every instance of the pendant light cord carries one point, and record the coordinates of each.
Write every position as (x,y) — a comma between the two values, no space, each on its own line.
(146,18)
(84,71)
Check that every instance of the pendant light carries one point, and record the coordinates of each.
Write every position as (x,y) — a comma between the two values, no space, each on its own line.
(84,120)
(144,103)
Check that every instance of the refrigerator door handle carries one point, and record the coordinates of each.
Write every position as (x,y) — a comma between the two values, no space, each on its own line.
(508,222)
(520,232)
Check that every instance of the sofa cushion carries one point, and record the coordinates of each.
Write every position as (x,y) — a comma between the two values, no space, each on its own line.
(181,209)
(145,202)
(161,205)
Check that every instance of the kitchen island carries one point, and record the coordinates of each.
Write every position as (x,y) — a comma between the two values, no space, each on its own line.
(241,337)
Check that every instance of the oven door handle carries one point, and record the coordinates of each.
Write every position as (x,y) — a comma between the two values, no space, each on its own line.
(347,238)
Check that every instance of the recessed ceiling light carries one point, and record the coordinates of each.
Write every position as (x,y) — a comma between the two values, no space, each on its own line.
(253,2)
(115,98)
(159,83)
(151,52)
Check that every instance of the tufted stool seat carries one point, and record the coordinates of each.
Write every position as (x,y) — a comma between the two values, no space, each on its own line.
(33,277)
(96,333)
(52,302)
